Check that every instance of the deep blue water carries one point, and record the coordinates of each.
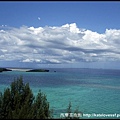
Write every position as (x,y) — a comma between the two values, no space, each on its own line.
(91,90)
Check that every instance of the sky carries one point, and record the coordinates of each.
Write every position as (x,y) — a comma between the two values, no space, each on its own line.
(60,34)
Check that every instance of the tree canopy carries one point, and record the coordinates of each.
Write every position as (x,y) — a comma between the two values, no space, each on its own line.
(18,102)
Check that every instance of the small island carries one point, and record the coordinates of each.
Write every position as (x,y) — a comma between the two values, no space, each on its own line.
(38,70)
(4,69)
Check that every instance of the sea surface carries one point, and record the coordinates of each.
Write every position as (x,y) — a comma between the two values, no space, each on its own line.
(94,92)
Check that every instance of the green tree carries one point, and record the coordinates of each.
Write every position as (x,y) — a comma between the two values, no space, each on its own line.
(72,115)
(18,102)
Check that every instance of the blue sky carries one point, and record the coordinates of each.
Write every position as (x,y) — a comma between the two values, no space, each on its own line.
(49,34)
(96,16)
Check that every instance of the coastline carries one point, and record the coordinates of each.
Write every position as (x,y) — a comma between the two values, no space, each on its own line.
(19,69)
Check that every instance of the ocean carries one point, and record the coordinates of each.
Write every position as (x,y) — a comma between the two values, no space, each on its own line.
(94,92)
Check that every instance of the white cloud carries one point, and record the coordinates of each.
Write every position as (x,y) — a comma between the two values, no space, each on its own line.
(58,44)
(73,28)
(35,30)
(4,50)
(27,60)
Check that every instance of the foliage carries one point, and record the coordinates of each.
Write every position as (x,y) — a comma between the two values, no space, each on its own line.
(38,70)
(73,115)
(4,69)
(18,102)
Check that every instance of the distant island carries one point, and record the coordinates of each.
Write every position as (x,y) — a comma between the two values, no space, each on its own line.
(4,69)
(38,70)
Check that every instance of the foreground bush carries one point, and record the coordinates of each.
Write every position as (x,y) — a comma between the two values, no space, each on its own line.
(18,102)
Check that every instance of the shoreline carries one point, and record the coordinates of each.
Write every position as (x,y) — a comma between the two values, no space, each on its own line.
(19,69)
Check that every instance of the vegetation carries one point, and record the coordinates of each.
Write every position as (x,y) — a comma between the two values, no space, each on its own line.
(72,115)
(4,69)
(18,102)
(38,70)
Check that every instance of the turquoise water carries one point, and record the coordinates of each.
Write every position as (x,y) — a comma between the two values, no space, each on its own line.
(93,91)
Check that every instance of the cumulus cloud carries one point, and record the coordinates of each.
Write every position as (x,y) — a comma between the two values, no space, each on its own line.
(58,44)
